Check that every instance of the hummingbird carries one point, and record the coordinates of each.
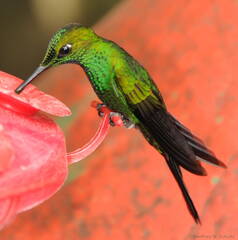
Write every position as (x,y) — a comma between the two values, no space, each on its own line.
(126,88)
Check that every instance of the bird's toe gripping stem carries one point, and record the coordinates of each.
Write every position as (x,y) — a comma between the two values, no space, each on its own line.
(116,119)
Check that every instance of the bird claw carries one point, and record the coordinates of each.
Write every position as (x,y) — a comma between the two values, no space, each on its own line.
(115,118)
(101,109)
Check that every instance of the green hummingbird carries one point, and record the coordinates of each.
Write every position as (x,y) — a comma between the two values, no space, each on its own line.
(125,86)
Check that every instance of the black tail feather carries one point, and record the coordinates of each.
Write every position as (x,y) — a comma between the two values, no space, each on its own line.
(198,146)
(173,166)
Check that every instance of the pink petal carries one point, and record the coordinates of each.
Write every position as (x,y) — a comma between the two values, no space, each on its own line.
(33,164)
(31,96)
(8,210)
(6,150)
(39,167)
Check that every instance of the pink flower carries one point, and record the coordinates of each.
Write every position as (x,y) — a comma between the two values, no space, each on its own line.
(33,162)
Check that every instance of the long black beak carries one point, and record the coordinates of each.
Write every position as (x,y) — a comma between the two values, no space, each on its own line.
(21,87)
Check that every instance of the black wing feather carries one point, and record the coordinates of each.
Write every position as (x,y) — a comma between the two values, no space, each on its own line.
(174,138)
(161,127)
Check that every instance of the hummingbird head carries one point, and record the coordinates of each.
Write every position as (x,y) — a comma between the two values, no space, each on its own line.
(66,45)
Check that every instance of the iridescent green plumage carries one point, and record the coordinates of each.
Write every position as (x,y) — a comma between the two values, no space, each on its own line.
(127,88)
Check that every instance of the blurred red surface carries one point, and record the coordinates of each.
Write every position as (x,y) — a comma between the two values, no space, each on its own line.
(126,191)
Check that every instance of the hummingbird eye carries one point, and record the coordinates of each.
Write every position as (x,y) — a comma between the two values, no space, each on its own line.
(65,50)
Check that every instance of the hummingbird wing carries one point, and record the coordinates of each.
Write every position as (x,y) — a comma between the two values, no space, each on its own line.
(173,138)
(159,124)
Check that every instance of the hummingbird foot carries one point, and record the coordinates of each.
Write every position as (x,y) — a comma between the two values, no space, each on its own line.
(101,109)
(115,118)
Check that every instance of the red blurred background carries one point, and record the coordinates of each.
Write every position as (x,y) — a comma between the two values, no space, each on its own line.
(124,190)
